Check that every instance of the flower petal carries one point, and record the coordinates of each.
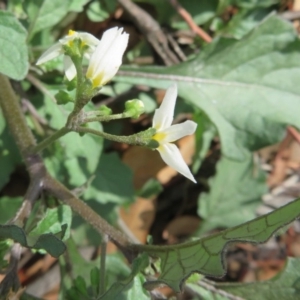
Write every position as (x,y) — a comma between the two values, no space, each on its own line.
(176,132)
(88,39)
(107,58)
(51,53)
(171,155)
(70,70)
(163,116)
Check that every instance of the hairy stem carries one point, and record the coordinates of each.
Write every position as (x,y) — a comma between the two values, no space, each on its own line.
(49,140)
(14,117)
(139,139)
(61,192)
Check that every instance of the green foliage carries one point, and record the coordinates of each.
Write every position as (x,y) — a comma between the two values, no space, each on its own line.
(113,182)
(13,50)
(43,14)
(205,256)
(244,182)
(242,87)
(99,11)
(53,221)
(49,242)
(228,76)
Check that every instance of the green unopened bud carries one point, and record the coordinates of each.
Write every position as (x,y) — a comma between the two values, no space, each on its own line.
(105,111)
(62,97)
(70,84)
(134,108)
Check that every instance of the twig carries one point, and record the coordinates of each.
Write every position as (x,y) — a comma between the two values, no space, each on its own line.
(210,287)
(59,191)
(294,133)
(189,20)
(290,15)
(152,31)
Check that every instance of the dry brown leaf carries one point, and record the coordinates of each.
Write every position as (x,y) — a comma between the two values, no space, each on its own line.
(139,217)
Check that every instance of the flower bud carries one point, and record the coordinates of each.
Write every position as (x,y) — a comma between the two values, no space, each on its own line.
(62,97)
(105,111)
(134,108)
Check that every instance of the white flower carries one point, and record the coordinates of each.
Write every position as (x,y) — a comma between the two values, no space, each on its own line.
(107,57)
(57,49)
(167,133)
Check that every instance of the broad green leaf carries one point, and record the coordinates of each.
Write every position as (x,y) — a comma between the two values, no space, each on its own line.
(286,285)
(9,207)
(236,191)
(240,85)
(49,242)
(44,13)
(13,49)
(206,255)
(113,182)
(53,220)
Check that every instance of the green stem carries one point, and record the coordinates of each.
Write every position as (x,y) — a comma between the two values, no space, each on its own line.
(107,118)
(49,140)
(135,139)
(102,264)
(14,117)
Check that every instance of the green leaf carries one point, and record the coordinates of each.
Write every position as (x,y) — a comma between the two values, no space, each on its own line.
(285,285)
(100,11)
(206,255)
(137,291)
(116,269)
(13,50)
(244,21)
(151,188)
(44,13)
(73,157)
(245,184)
(78,5)
(139,264)
(240,85)
(53,221)
(49,242)
(113,181)
(9,207)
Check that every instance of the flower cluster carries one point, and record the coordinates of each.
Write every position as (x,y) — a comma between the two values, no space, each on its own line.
(105,55)
(105,58)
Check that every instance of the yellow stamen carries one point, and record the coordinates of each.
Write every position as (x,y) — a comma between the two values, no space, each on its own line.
(71,32)
(159,136)
(98,80)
